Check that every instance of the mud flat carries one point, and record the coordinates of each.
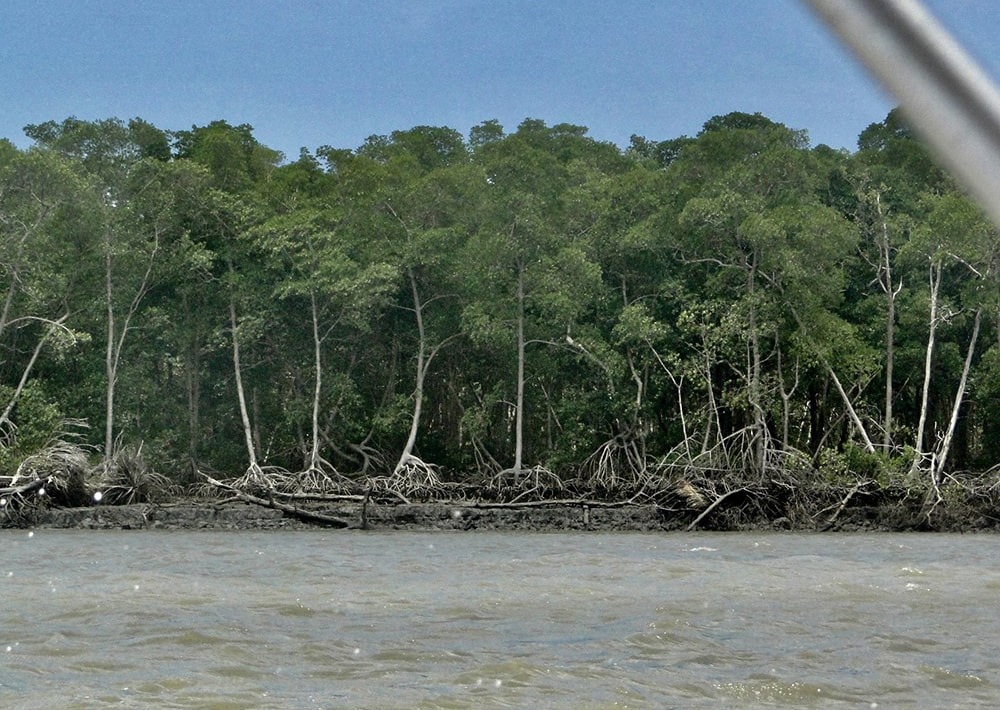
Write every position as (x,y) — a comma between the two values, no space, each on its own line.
(464,516)
(419,516)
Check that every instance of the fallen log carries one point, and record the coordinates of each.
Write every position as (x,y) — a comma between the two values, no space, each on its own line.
(843,504)
(321,497)
(713,506)
(29,487)
(556,502)
(300,513)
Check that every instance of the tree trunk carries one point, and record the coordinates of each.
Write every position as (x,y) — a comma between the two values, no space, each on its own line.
(918,447)
(9,299)
(115,334)
(110,361)
(519,406)
(240,393)
(786,396)
(759,423)
(941,456)
(421,371)
(890,356)
(891,290)
(192,382)
(314,460)
(855,419)
(712,420)
(26,372)
(12,268)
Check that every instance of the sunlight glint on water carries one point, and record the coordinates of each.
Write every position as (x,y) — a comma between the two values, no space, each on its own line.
(414,620)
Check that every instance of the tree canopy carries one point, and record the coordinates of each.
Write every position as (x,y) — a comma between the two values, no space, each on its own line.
(526,305)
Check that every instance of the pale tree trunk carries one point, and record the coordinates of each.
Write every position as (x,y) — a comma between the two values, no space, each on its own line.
(786,396)
(314,458)
(519,406)
(13,266)
(941,456)
(891,289)
(13,271)
(240,392)
(713,418)
(422,364)
(759,423)
(5,421)
(639,387)
(890,355)
(8,301)
(848,405)
(636,378)
(678,383)
(918,447)
(851,412)
(110,361)
(407,457)
(116,335)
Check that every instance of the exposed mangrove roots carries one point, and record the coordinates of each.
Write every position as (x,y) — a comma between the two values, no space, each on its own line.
(300,513)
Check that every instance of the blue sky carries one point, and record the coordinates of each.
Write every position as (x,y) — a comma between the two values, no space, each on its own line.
(307,73)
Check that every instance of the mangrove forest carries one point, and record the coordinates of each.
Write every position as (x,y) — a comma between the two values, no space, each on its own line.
(734,317)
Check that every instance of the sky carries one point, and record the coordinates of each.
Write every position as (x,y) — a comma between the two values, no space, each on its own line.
(308,73)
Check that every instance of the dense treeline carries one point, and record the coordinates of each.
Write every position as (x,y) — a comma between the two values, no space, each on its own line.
(533,306)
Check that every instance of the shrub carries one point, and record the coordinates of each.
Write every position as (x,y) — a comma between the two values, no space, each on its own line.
(127,478)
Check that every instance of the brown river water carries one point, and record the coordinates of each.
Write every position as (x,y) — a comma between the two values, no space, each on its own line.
(318,619)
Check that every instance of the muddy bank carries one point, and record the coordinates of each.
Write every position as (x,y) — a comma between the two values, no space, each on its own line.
(443,516)
(426,516)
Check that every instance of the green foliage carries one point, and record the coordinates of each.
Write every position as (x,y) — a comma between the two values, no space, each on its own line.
(853,465)
(231,154)
(35,421)
(987,407)
(688,299)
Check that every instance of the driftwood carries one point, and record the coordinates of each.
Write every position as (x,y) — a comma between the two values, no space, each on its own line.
(300,513)
(843,504)
(30,486)
(16,499)
(319,497)
(713,506)
(545,503)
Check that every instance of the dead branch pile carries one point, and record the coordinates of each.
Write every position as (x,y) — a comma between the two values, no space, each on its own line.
(57,474)
(526,484)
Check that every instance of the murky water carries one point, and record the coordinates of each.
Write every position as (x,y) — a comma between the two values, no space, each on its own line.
(483,620)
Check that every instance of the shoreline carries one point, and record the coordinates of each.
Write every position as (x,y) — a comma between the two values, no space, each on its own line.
(470,516)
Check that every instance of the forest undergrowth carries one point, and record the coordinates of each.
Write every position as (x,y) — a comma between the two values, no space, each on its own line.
(708,491)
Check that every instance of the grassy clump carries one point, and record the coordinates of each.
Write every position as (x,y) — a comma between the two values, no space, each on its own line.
(128,478)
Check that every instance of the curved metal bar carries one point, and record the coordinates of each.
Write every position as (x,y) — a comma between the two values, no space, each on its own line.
(944,94)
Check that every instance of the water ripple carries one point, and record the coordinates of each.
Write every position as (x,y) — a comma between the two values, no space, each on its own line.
(251,620)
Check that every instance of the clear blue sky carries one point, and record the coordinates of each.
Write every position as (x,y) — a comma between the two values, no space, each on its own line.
(332,72)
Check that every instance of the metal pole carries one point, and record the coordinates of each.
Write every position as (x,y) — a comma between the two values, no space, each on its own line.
(944,94)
